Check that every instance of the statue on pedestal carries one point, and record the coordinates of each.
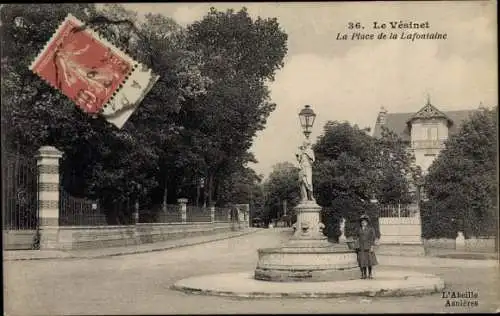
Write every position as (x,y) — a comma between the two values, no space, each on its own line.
(306,158)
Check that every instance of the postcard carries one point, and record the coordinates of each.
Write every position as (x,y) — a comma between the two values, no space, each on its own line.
(250,158)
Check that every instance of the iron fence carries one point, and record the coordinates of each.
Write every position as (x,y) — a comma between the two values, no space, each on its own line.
(397,210)
(170,214)
(195,214)
(80,211)
(19,193)
(221,214)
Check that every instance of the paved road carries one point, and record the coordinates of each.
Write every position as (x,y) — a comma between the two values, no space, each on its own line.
(139,284)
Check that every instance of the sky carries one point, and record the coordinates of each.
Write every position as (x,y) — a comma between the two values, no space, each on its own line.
(350,80)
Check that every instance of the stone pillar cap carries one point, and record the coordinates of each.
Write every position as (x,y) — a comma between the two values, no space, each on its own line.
(182,200)
(49,151)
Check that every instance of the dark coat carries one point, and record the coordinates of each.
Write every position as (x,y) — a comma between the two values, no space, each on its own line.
(366,240)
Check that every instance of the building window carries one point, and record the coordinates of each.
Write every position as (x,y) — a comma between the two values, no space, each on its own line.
(432,133)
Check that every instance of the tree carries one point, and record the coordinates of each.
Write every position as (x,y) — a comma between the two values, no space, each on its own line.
(462,182)
(282,184)
(240,187)
(35,114)
(99,160)
(240,55)
(397,172)
(193,123)
(345,176)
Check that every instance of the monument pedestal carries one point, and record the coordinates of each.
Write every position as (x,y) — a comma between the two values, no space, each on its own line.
(307,256)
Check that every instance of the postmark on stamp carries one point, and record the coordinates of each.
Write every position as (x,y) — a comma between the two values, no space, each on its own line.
(92,72)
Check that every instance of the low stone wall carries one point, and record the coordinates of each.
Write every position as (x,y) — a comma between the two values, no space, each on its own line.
(441,243)
(470,245)
(149,233)
(480,244)
(404,250)
(91,237)
(400,230)
(18,239)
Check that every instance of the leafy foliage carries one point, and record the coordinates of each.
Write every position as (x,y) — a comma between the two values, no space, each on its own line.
(282,184)
(239,54)
(462,183)
(397,171)
(344,175)
(194,122)
(352,168)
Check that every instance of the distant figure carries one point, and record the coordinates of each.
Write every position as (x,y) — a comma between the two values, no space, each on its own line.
(366,241)
(306,159)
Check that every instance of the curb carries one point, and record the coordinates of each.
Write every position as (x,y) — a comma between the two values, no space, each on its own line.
(419,284)
(260,295)
(138,251)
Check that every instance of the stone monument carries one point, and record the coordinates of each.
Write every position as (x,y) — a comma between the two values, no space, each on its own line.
(325,269)
(307,256)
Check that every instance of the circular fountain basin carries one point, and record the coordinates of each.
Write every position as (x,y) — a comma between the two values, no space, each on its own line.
(306,264)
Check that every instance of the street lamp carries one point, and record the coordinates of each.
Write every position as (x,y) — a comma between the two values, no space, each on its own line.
(307,117)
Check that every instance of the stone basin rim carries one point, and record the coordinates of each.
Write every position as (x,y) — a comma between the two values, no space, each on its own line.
(249,287)
(305,250)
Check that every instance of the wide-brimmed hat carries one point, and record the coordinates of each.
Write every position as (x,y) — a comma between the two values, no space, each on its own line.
(364,217)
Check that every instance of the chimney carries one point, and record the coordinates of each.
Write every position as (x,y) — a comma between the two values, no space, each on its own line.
(382,115)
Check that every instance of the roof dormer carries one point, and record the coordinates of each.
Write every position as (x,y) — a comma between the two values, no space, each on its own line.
(429,112)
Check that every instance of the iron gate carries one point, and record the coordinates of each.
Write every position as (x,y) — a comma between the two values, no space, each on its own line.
(20,218)
(19,193)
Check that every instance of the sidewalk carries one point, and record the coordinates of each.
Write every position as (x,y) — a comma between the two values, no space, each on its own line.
(421,251)
(12,255)
(402,261)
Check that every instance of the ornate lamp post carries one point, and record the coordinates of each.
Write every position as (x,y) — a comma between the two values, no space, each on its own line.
(309,228)
(307,117)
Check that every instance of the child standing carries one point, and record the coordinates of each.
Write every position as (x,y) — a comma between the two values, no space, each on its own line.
(366,241)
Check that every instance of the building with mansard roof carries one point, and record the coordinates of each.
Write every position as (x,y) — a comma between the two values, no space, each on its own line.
(425,130)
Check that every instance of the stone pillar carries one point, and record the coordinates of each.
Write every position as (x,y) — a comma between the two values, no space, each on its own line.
(244,214)
(229,215)
(239,217)
(374,202)
(48,196)
(136,212)
(309,229)
(211,207)
(247,219)
(342,238)
(460,242)
(183,208)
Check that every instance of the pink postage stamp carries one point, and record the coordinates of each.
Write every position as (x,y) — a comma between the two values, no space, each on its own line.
(83,66)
